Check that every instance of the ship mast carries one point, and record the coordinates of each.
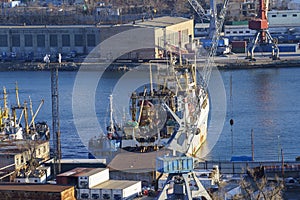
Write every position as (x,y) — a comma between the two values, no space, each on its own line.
(111,113)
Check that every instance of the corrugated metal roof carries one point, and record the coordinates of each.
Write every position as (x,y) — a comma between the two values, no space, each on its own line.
(115,184)
(35,187)
(136,162)
(89,161)
(162,21)
(80,171)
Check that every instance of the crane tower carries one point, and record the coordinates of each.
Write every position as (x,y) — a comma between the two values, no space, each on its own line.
(262,36)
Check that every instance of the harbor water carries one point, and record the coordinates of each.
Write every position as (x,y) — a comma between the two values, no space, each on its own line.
(265,100)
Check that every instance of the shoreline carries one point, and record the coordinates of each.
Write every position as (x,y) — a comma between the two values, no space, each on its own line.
(228,62)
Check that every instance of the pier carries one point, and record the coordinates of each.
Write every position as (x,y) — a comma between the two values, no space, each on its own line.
(289,168)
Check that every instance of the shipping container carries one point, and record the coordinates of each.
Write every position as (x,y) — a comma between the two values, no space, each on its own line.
(106,194)
(119,189)
(95,193)
(83,194)
(238,44)
(206,43)
(93,177)
(83,177)
(238,50)
(174,164)
(132,190)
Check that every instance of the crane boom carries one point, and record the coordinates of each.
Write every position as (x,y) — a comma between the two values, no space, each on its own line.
(206,72)
(198,9)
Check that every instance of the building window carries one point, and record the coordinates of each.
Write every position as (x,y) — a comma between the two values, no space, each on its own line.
(65,40)
(234,32)
(240,31)
(284,15)
(53,41)
(78,40)
(274,15)
(28,40)
(227,32)
(294,15)
(15,40)
(91,40)
(22,159)
(40,39)
(247,31)
(3,41)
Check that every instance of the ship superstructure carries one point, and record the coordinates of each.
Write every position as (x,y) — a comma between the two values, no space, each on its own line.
(11,127)
(172,113)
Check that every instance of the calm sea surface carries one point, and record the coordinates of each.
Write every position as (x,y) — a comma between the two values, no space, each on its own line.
(265,100)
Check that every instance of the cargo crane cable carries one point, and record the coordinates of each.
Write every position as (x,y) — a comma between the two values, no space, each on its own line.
(231,113)
(231,130)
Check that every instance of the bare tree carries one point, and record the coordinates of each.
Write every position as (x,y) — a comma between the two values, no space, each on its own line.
(256,186)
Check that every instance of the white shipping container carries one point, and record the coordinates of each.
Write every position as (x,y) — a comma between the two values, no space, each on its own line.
(89,180)
(136,188)
(118,189)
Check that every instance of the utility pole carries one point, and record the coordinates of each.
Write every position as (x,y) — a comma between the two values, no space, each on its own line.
(282,164)
(55,114)
(252,144)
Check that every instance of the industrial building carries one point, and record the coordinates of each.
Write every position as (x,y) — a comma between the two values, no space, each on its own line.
(31,42)
(94,183)
(15,154)
(36,192)
(283,25)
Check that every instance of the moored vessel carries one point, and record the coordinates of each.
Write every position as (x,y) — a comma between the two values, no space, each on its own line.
(169,113)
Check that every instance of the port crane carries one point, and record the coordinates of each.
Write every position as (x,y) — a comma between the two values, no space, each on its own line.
(206,72)
(184,173)
(216,24)
(262,35)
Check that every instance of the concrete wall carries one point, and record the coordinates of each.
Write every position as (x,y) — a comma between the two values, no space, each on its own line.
(48,39)
(134,176)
